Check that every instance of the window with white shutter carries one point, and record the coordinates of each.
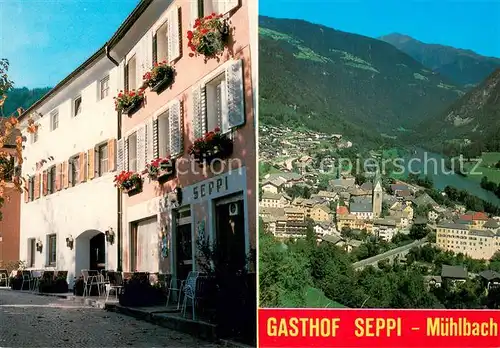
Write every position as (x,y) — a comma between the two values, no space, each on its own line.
(131,74)
(161,37)
(155,139)
(120,145)
(216,102)
(176,129)
(220,102)
(141,148)
(131,146)
(195,12)
(235,96)
(163,123)
(144,62)
(149,141)
(218,6)
(54,120)
(167,38)
(199,111)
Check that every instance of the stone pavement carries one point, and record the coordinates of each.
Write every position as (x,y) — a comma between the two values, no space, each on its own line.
(28,320)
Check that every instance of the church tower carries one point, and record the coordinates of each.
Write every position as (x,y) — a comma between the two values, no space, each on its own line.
(377,196)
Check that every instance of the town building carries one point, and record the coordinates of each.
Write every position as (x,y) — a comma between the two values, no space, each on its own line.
(273,186)
(454,274)
(295,214)
(378,197)
(478,219)
(385,229)
(70,204)
(362,210)
(325,228)
(11,208)
(320,213)
(478,243)
(272,200)
(162,222)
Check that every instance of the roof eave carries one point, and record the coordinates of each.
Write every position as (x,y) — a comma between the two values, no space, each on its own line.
(128,23)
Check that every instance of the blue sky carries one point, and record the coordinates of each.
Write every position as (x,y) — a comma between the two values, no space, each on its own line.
(470,24)
(45,40)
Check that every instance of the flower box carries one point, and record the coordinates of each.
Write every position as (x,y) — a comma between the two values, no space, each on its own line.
(131,109)
(161,169)
(160,77)
(129,182)
(209,36)
(213,145)
(137,188)
(127,103)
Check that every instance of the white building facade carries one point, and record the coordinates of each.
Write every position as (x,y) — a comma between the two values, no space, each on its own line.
(70,163)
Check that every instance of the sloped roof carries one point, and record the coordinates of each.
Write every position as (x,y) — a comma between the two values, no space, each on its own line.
(367,186)
(455,272)
(270,195)
(361,207)
(453,226)
(489,275)
(341,210)
(384,222)
(491,223)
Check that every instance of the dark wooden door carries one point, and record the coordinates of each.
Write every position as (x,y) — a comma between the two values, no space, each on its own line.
(98,252)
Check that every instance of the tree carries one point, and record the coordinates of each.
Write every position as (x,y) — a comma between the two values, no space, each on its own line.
(360,179)
(385,209)
(283,274)
(310,234)
(8,133)
(346,233)
(418,231)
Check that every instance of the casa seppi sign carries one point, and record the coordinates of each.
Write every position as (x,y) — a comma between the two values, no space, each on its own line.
(219,185)
(213,188)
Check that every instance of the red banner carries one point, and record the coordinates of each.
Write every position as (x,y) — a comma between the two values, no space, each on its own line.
(378,328)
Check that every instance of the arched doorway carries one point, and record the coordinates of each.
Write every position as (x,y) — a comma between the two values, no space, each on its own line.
(97,251)
(90,251)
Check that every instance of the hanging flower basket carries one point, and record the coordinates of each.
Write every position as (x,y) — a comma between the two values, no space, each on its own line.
(209,36)
(161,169)
(160,77)
(129,102)
(213,145)
(129,182)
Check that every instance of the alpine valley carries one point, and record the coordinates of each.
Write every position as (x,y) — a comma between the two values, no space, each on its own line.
(393,88)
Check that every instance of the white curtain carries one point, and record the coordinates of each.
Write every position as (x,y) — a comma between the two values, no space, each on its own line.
(147,244)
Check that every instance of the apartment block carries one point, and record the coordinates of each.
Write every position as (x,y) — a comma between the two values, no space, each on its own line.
(162,222)
(70,202)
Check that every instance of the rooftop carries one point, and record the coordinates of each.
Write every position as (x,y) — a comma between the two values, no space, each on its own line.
(363,207)
(384,222)
(491,223)
(490,275)
(482,233)
(455,272)
(453,226)
(270,195)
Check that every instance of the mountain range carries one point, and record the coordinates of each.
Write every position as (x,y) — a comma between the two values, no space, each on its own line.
(462,66)
(367,88)
(21,97)
(470,125)
(325,76)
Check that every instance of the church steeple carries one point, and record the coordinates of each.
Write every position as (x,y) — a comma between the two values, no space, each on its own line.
(377,196)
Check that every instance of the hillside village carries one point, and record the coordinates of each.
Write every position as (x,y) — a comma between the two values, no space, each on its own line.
(346,210)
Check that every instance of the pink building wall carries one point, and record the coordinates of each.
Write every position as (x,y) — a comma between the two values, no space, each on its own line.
(189,72)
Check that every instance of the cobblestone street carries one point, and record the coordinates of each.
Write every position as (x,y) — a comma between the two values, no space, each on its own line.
(28,320)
